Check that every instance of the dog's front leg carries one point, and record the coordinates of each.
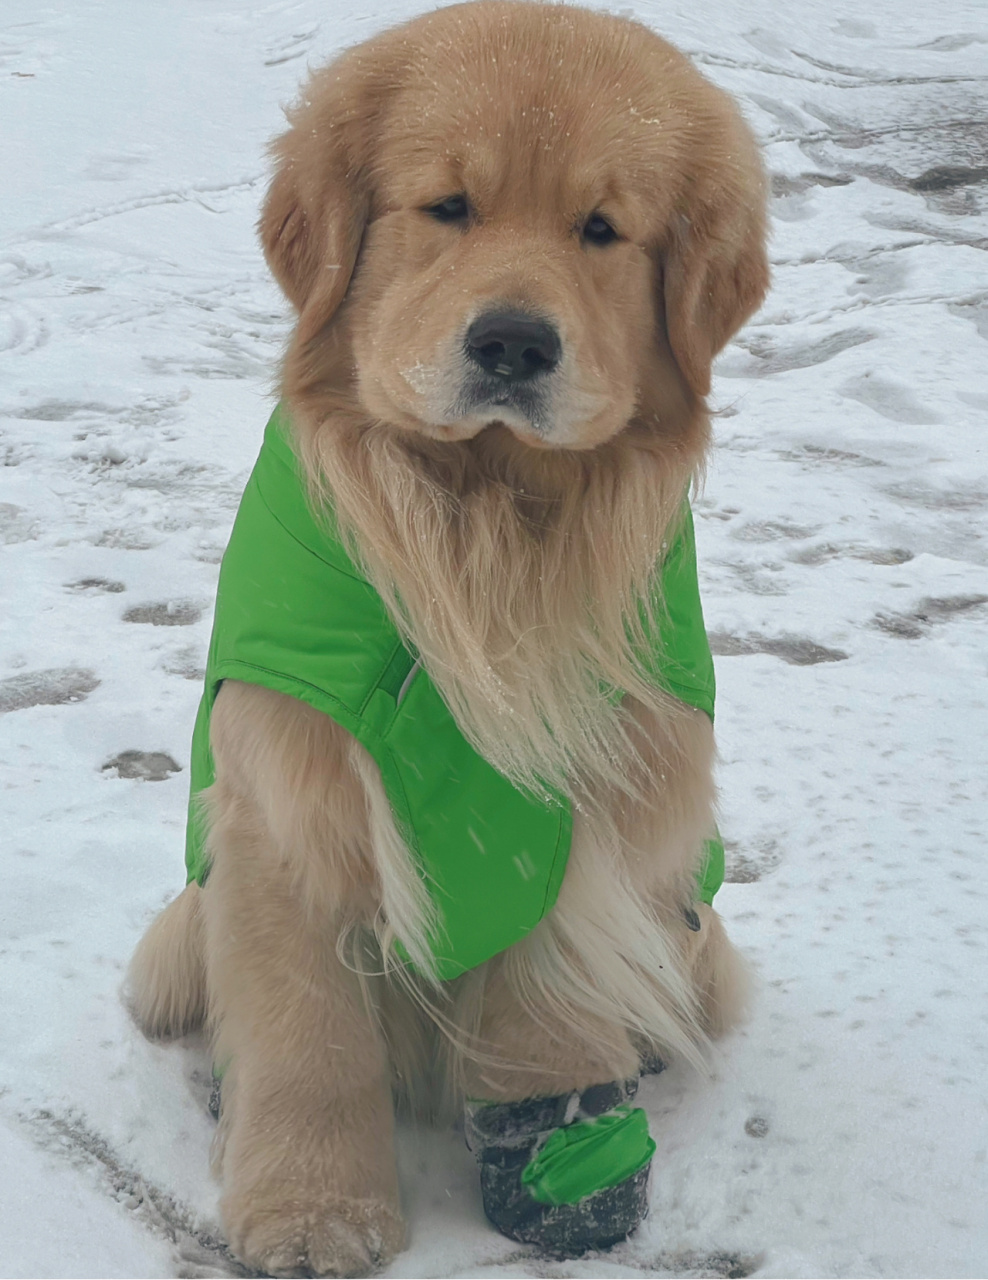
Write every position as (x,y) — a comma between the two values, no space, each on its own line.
(305,1146)
(535,1082)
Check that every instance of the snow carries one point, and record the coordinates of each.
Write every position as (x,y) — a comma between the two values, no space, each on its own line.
(843,542)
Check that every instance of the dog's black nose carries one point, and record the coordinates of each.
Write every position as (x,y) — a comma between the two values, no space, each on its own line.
(513,346)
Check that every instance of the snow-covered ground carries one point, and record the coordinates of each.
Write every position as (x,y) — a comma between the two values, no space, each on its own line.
(844,556)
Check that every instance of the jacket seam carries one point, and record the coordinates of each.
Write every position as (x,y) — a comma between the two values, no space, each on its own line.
(240,664)
(565,823)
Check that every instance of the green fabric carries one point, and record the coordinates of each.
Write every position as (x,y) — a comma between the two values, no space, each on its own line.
(579,1159)
(294,614)
(712,873)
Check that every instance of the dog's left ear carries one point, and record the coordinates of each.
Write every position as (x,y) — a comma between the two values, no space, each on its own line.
(715,271)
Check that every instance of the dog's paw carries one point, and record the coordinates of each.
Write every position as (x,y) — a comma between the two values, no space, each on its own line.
(567,1173)
(339,1237)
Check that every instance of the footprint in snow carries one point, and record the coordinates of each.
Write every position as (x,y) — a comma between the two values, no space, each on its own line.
(744,864)
(796,650)
(928,613)
(891,399)
(16,525)
(133,539)
(916,493)
(149,766)
(880,277)
(171,613)
(21,330)
(825,551)
(49,688)
(784,184)
(770,531)
(766,357)
(94,586)
(815,454)
(722,1266)
(185,662)
(63,410)
(975,310)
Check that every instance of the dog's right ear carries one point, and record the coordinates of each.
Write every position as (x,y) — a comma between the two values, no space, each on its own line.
(314,215)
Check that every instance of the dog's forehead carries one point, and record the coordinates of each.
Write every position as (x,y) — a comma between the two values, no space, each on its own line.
(490,111)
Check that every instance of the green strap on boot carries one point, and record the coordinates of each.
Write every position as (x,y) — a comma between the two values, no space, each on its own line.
(568,1172)
(580,1159)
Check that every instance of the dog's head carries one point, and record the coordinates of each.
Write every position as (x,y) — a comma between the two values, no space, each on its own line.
(521,214)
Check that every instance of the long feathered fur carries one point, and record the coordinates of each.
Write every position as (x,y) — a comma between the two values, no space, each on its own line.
(529,592)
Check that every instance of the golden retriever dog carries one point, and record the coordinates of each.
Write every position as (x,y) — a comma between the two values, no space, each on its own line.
(516,235)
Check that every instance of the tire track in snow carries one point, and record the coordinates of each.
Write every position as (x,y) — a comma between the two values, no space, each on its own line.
(198,1252)
(179,195)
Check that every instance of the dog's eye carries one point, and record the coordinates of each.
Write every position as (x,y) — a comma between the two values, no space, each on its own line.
(597,230)
(452,209)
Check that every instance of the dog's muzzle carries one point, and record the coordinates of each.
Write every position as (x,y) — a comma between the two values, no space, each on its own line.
(510,357)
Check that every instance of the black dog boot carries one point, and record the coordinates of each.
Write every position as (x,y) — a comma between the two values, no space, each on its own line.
(567,1173)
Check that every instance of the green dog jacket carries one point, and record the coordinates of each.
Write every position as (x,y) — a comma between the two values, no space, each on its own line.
(294,614)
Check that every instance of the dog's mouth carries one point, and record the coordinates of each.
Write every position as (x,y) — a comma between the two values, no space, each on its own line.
(523,407)
(531,387)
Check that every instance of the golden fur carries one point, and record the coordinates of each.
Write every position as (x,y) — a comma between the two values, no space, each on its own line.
(514,544)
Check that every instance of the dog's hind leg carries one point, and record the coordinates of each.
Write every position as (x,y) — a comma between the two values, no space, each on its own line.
(166,981)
